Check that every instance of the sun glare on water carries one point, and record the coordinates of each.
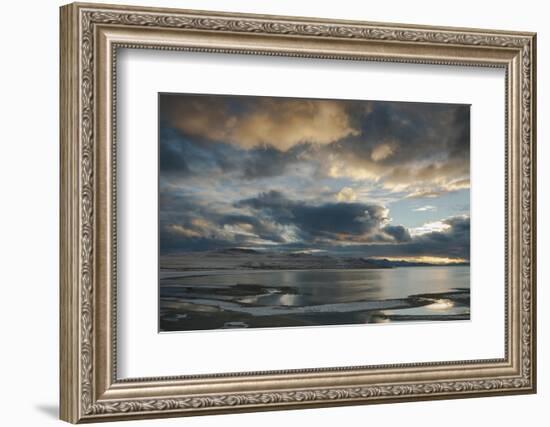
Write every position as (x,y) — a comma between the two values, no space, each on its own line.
(441,304)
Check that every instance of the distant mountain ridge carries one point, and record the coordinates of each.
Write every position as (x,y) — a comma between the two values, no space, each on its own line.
(245,258)
(384,262)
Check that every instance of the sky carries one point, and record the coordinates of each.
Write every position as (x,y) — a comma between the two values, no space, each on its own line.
(343,177)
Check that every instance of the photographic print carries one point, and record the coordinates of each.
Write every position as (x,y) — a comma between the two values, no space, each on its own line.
(285,212)
(264,211)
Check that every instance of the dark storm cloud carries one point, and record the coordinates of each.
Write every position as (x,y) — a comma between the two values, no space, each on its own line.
(254,121)
(420,147)
(413,130)
(186,223)
(173,154)
(184,156)
(330,220)
(263,229)
(293,174)
(269,161)
(175,243)
(425,147)
(453,242)
(349,228)
(398,232)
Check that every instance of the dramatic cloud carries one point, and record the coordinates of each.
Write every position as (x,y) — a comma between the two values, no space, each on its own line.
(346,194)
(350,228)
(253,121)
(421,149)
(187,223)
(382,151)
(332,221)
(452,242)
(182,156)
(185,157)
(299,174)
(268,161)
(398,232)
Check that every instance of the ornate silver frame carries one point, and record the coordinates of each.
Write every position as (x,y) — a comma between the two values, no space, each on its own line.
(90,36)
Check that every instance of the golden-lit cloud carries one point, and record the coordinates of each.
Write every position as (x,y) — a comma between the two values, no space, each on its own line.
(346,194)
(281,123)
(184,231)
(422,151)
(424,180)
(432,190)
(382,151)
(314,174)
(341,169)
(440,226)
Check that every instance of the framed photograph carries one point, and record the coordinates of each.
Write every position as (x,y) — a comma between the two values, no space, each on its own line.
(265,212)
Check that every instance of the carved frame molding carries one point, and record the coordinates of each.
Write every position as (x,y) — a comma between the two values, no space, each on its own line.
(90,37)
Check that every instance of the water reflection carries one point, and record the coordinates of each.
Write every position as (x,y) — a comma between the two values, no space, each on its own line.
(211,300)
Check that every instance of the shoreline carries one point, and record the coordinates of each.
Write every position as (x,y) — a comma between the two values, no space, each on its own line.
(175,272)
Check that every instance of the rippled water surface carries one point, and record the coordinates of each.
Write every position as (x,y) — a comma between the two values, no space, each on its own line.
(277,298)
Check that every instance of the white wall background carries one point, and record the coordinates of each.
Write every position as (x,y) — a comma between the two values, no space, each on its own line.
(29,170)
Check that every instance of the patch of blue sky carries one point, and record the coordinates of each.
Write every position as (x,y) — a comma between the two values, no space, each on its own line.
(414,212)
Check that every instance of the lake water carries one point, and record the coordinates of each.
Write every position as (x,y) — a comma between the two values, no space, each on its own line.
(277,298)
